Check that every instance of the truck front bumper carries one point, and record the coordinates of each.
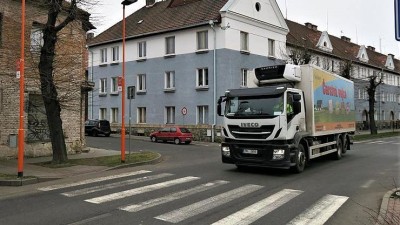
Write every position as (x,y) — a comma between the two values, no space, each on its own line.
(258,155)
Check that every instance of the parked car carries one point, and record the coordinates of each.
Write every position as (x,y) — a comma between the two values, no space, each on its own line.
(176,134)
(96,127)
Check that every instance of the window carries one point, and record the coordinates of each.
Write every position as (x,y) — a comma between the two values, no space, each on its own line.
(318,61)
(170,114)
(383,97)
(202,77)
(142,49)
(141,82)
(114,85)
(115,54)
(102,113)
(141,115)
(114,115)
(243,82)
(169,80)
(271,47)
(333,65)
(359,93)
(36,38)
(103,55)
(202,114)
(202,40)
(244,41)
(103,86)
(170,45)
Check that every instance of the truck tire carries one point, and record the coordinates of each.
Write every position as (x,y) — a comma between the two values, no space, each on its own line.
(339,148)
(345,144)
(300,160)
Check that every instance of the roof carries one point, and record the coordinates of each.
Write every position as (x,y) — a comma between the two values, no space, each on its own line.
(162,17)
(301,35)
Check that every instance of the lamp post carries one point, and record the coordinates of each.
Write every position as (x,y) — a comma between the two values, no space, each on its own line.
(124,3)
(21,132)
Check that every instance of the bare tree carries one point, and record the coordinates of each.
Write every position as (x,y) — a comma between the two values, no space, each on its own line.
(345,68)
(299,54)
(59,15)
(374,81)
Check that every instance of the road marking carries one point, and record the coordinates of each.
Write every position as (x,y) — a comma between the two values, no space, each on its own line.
(254,212)
(320,212)
(368,184)
(172,197)
(86,221)
(114,185)
(94,180)
(183,213)
(141,190)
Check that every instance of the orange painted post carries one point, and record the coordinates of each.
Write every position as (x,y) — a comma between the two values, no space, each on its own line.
(21,133)
(123,89)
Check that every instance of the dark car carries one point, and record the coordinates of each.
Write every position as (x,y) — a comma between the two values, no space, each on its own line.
(176,134)
(96,127)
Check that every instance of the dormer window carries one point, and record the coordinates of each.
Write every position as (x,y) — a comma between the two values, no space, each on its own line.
(324,42)
(389,62)
(362,54)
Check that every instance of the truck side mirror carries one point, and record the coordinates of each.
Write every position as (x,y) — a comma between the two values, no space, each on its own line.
(219,107)
(296,107)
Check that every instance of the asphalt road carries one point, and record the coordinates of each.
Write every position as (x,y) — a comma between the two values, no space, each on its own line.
(192,186)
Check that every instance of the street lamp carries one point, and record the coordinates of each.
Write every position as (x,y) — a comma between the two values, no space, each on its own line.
(21,133)
(124,3)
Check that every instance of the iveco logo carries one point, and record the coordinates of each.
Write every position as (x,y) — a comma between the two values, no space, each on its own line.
(249,125)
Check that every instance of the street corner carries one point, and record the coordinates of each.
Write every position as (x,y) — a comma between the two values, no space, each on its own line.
(156,160)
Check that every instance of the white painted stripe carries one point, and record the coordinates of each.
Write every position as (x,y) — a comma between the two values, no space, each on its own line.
(94,180)
(86,221)
(368,184)
(183,213)
(254,212)
(114,185)
(172,197)
(320,212)
(141,190)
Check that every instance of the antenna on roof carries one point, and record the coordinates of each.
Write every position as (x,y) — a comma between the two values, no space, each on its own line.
(327,19)
(356,35)
(286,8)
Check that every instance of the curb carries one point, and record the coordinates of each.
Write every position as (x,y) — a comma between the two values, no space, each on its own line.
(150,162)
(19,182)
(384,207)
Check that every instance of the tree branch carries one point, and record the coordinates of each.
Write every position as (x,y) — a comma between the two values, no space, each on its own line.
(71,16)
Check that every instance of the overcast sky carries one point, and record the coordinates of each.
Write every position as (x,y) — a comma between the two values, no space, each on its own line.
(366,22)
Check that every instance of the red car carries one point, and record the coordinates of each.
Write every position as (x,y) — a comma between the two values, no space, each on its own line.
(176,134)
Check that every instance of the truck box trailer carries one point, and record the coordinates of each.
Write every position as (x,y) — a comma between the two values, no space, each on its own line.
(289,115)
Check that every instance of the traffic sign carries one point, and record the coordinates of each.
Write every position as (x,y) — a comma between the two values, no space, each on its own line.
(184,111)
(119,83)
(396,18)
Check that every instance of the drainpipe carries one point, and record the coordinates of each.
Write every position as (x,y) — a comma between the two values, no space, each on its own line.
(91,93)
(211,22)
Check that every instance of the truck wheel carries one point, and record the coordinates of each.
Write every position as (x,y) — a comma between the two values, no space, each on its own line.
(300,160)
(345,144)
(339,148)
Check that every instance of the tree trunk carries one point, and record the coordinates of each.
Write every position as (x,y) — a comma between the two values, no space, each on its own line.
(372,125)
(50,95)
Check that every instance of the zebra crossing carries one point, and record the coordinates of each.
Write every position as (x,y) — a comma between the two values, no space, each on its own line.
(316,214)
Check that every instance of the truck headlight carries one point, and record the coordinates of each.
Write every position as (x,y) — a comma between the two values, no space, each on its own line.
(278,154)
(226,151)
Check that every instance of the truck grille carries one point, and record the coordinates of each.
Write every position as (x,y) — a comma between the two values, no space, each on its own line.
(262,132)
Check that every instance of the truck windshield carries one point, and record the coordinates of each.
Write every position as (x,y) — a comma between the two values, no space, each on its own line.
(254,106)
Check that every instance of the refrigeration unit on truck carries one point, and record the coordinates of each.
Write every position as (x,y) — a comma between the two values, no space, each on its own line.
(289,115)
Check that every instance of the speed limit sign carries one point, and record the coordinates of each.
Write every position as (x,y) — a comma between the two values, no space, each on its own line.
(184,111)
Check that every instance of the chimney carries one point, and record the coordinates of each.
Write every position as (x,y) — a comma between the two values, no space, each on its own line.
(344,38)
(391,55)
(89,35)
(311,26)
(150,2)
(371,48)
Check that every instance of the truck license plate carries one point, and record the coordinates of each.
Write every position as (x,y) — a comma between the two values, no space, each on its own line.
(250,151)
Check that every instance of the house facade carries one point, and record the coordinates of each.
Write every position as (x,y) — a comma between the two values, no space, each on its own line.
(69,76)
(338,54)
(181,56)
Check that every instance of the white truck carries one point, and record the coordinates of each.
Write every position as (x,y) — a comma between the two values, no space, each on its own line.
(289,115)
